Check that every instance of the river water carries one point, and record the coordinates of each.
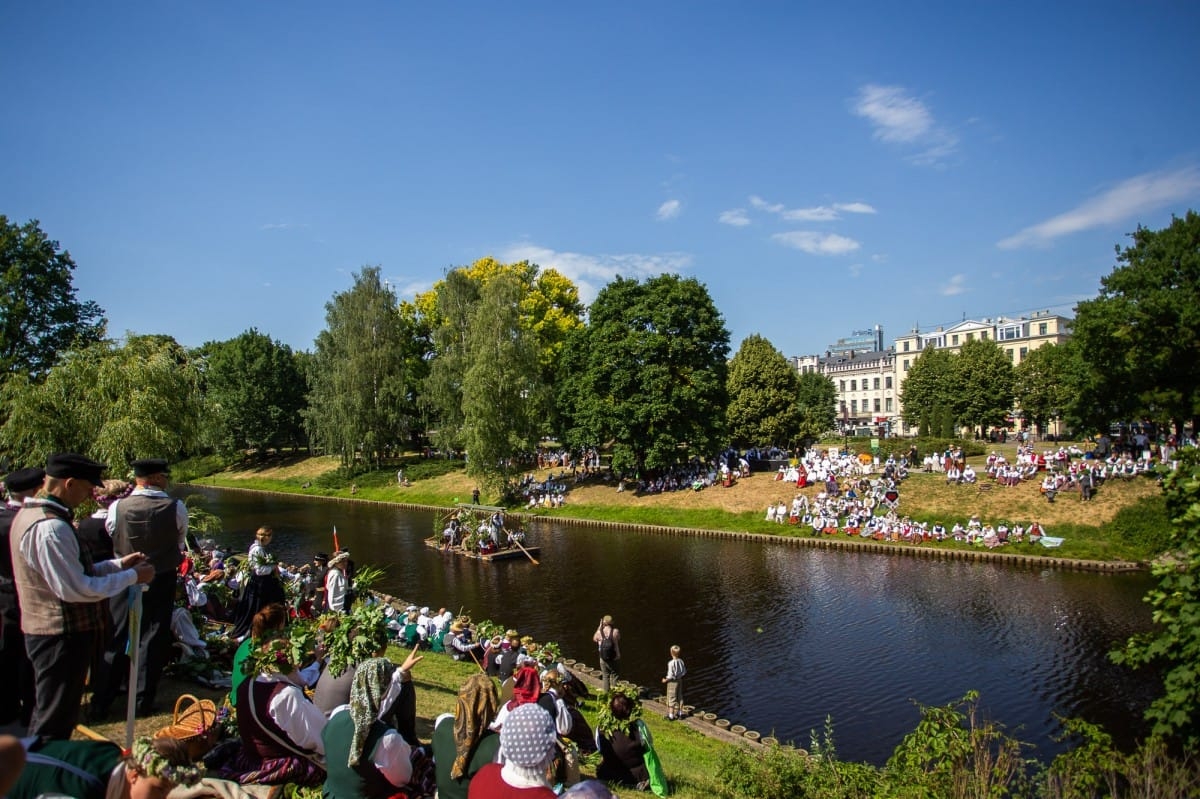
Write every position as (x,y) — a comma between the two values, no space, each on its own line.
(775,637)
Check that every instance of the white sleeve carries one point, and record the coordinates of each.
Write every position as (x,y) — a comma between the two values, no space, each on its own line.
(110,521)
(299,718)
(52,550)
(563,721)
(393,758)
(181,522)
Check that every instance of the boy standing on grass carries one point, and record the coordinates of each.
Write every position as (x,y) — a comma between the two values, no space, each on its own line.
(674,682)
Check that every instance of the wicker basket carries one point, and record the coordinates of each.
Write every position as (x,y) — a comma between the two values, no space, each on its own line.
(194,725)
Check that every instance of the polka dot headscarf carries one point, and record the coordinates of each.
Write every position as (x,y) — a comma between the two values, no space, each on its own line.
(528,737)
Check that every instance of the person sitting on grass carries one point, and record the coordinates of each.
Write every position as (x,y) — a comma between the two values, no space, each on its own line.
(100,770)
(364,754)
(621,749)
(279,728)
(462,742)
(270,620)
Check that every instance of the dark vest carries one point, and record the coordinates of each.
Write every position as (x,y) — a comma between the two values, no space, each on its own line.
(254,737)
(42,612)
(8,587)
(148,524)
(352,782)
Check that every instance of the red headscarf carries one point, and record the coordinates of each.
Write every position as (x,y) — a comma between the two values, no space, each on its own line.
(527,686)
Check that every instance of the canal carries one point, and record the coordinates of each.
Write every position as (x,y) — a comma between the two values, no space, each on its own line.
(775,637)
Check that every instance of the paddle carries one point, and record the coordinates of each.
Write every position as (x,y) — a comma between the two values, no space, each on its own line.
(532,559)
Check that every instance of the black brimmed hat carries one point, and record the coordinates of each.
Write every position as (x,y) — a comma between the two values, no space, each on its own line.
(66,465)
(149,466)
(23,480)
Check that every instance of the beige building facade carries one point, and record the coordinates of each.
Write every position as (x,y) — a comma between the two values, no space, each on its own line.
(868,382)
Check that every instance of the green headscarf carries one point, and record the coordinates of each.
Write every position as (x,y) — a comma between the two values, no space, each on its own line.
(375,688)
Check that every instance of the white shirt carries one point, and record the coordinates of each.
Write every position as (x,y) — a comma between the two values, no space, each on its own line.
(295,714)
(52,551)
(335,590)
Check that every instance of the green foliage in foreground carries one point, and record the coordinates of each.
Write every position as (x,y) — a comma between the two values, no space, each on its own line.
(952,754)
(1175,643)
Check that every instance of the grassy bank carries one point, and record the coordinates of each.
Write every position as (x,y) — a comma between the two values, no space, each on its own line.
(1125,521)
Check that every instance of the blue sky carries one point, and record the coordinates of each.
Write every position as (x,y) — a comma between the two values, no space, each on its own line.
(820,167)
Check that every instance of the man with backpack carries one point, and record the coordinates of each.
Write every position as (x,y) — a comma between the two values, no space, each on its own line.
(608,641)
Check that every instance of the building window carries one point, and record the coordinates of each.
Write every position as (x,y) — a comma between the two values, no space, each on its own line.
(1041,328)
(906,346)
(887,402)
(854,385)
(877,405)
(954,339)
(906,364)
(887,381)
(876,384)
(1010,333)
(983,335)
(1024,350)
(1012,355)
(841,385)
(853,407)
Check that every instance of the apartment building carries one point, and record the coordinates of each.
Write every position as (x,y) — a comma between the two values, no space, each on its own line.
(868,378)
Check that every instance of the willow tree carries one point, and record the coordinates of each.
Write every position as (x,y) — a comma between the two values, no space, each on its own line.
(503,398)
(361,396)
(113,402)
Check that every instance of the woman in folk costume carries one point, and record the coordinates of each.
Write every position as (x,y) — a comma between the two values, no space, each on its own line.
(526,688)
(365,755)
(263,586)
(279,728)
(463,743)
(101,770)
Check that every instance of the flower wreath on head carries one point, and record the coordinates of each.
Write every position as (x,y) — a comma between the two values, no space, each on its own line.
(282,652)
(147,760)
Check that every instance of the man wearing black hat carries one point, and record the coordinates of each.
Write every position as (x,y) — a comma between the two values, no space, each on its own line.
(60,590)
(150,521)
(16,705)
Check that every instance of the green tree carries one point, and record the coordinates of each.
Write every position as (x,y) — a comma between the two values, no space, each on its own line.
(929,384)
(361,392)
(256,390)
(442,390)
(115,403)
(1174,645)
(40,316)
(648,373)
(1044,384)
(816,398)
(503,398)
(762,396)
(983,385)
(1140,336)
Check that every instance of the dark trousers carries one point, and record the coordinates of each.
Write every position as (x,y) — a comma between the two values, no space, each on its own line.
(16,676)
(158,603)
(60,664)
(610,673)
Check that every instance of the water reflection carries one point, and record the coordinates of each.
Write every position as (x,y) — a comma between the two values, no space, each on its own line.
(775,637)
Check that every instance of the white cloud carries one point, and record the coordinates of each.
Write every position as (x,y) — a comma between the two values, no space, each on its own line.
(281,226)
(957,285)
(900,118)
(855,270)
(818,213)
(763,205)
(817,243)
(590,273)
(735,216)
(669,210)
(1127,200)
